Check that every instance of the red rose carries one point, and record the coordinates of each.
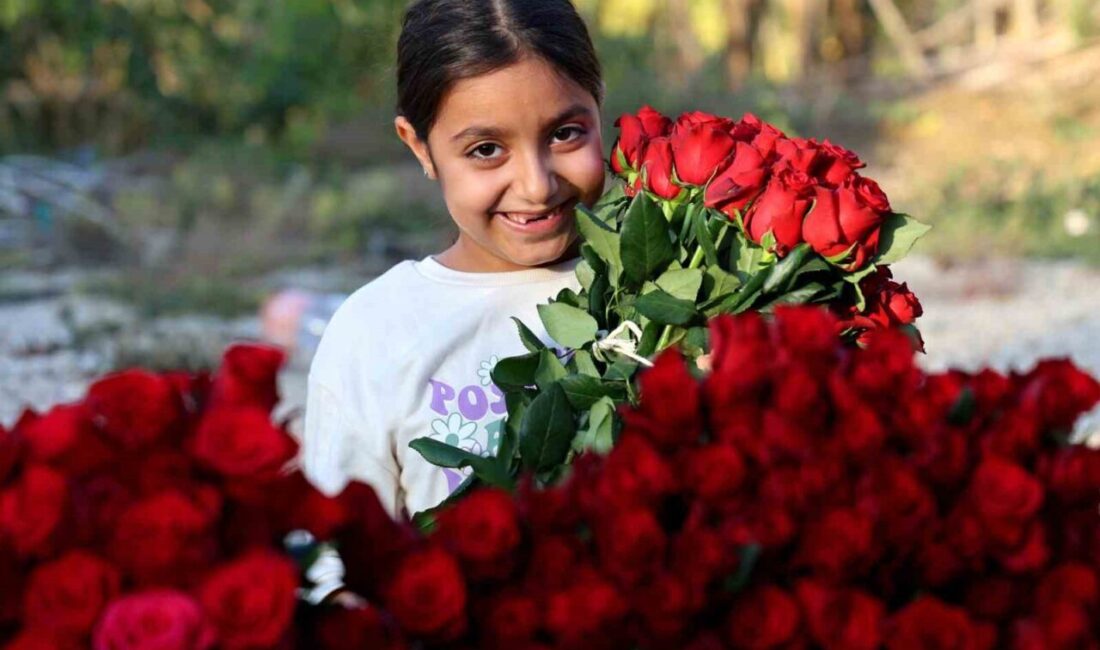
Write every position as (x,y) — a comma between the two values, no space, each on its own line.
(839,546)
(656,167)
(841,224)
(163,539)
(766,617)
(511,621)
(97,503)
(841,619)
(552,560)
(739,182)
(634,474)
(636,131)
(702,118)
(779,210)
(357,629)
(698,150)
(894,495)
(586,614)
(1004,493)
(1057,392)
(666,606)
(134,408)
(835,164)
(483,531)
(929,624)
(251,600)
(713,472)
(1070,582)
(797,153)
(32,511)
(154,620)
(242,443)
(370,541)
(869,193)
(766,140)
(66,596)
(669,413)
(736,346)
(1073,474)
(427,595)
(700,553)
(631,544)
(65,438)
(1030,554)
(248,376)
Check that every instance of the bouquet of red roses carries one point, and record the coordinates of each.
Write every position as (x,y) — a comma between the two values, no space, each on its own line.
(712,216)
(151,514)
(804,494)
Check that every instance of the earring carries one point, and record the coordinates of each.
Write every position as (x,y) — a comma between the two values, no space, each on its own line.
(427,174)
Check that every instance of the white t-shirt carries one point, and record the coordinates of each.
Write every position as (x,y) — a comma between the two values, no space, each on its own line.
(408,355)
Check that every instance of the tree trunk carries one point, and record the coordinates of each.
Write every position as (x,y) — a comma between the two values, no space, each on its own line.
(742,18)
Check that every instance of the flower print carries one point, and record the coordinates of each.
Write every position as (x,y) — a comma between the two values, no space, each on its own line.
(453,430)
(485,372)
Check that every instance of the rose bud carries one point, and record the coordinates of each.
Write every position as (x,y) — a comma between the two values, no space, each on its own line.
(840,223)
(836,164)
(251,600)
(635,132)
(739,182)
(657,169)
(779,210)
(698,150)
(163,619)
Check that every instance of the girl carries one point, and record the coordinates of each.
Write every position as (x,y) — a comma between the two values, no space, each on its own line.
(499,101)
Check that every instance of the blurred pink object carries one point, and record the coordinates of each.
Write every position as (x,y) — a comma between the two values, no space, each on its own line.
(281,317)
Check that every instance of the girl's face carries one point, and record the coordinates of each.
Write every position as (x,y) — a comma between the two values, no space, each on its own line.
(518,144)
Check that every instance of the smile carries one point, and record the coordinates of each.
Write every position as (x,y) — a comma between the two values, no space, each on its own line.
(532,221)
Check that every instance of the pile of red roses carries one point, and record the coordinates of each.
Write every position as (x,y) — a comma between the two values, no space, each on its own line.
(804,494)
(797,189)
(151,514)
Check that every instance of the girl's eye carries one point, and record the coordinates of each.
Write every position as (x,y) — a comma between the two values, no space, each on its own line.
(483,151)
(568,130)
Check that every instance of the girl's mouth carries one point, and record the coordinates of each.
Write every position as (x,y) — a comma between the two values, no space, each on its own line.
(528,222)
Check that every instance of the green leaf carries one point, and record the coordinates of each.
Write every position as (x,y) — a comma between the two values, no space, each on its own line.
(720,282)
(569,326)
(530,341)
(745,256)
(651,333)
(666,309)
(682,283)
(597,299)
(801,295)
(703,234)
(547,430)
(517,403)
(614,196)
(603,240)
(784,271)
(585,274)
(598,437)
(621,370)
(585,390)
(550,369)
(441,454)
(516,372)
(896,239)
(584,363)
(646,246)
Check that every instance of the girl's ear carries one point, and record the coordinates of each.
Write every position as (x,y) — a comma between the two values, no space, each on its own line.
(407,133)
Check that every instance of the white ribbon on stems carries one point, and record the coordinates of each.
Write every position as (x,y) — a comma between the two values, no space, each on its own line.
(621,340)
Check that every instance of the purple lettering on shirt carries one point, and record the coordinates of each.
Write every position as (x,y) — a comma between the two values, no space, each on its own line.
(473,403)
(441,393)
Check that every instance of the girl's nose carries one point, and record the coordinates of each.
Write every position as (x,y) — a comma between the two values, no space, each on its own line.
(537,182)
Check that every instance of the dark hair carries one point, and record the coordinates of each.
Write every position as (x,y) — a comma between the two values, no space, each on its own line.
(443,41)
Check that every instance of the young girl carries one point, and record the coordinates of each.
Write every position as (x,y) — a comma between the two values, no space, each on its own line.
(499,101)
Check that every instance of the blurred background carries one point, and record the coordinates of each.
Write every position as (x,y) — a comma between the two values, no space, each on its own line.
(177,174)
